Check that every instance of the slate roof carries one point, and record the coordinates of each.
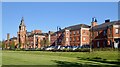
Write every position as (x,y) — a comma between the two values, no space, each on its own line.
(78,26)
(14,38)
(106,25)
(74,27)
(22,22)
(43,34)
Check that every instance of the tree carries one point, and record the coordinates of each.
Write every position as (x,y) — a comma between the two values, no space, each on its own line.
(42,42)
(3,45)
(19,45)
(0,44)
(12,46)
(47,42)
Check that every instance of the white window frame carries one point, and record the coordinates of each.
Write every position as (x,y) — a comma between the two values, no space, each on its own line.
(74,32)
(66,39)
(84,38)
(117,31)
(98,33)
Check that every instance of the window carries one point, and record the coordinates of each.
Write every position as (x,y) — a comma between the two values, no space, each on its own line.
(70,33)
(98,44)
(73,39)
(104,44)
(77,32)
(98,33)
(60,40)
(74,32)
(84,38)
(83,31)
(78,38)
(67,33)
(66,39)
(104,33)
(116,31)
(23,28)
(70,39)
(109,31)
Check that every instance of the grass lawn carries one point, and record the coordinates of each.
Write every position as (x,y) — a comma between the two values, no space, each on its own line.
(45,58)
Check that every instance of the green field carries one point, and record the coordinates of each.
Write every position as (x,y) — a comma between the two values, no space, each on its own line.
(71,59)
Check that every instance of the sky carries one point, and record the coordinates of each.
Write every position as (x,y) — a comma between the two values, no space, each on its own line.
(47,16)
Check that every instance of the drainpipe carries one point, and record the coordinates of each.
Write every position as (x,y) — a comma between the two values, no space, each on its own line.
(34,41)
(81,37)
(49,38)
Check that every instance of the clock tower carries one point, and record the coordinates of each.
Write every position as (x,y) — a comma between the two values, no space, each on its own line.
(22,34)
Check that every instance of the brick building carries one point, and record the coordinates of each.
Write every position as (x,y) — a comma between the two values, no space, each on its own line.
(34,40)
(106,34)
(25,39)
(103,35)
(22,34)
(75,35)
(79,35)
(10,41)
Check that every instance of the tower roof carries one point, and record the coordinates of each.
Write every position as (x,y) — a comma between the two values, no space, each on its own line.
(94,19)
(22,22)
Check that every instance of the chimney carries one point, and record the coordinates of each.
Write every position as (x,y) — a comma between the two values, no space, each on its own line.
(49,32)
(108,20)
(94,22)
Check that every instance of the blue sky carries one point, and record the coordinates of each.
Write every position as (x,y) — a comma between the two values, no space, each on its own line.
(48,15)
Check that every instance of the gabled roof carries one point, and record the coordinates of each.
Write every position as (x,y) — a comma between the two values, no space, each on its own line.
(78,26)
(106,25)
(74,27)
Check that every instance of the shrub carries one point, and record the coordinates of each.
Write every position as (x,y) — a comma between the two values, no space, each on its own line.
(105,49)
(83,50)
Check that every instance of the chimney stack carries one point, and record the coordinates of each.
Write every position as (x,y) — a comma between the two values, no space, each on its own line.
(108,20)
(94,22)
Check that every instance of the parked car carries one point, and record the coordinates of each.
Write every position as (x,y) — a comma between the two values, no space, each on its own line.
(86,46)
(50,48)
(62,47)
(74,47)
(57,47)
(42,48)
(69,47)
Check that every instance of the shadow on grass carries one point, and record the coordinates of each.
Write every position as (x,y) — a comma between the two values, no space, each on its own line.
(29,65)
(74,64)
(98,59)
